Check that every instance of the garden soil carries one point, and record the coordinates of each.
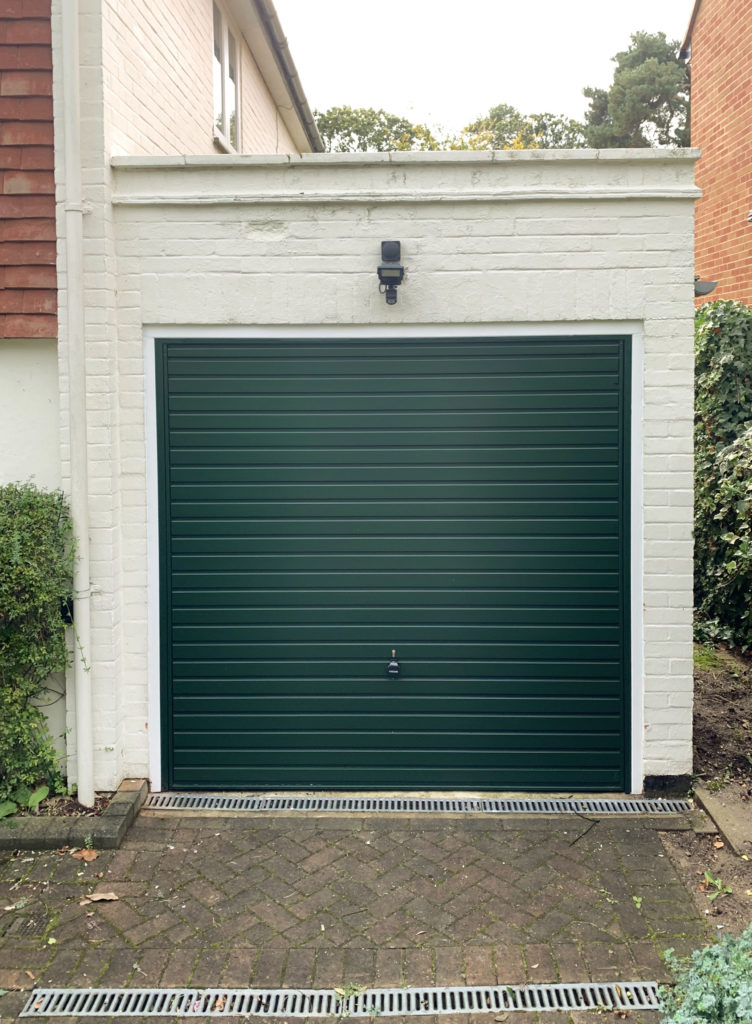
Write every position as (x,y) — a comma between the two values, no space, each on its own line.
(723,761)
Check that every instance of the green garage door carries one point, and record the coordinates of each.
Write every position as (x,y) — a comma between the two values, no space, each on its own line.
(463,502)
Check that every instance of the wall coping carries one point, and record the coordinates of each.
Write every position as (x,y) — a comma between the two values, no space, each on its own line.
(372,178)
(436,157)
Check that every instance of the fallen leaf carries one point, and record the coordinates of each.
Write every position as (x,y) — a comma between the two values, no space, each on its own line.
(718,845)
(618,991)
(219,1004)
(51,941)
(98,897)
(38,1004)
(533,966)
(87,855)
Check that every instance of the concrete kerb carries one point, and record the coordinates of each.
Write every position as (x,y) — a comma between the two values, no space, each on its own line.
(105,832)
(734,825)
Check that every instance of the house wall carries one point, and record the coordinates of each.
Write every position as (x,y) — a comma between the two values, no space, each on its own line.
(721,125)
(508,242)
(29,411)
(261,127)
(164,50)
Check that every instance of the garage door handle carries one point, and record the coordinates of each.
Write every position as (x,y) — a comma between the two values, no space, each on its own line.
(393,668)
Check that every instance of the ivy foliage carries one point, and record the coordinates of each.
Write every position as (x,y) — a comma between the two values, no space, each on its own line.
(723,472)
(36,570)
(714,986)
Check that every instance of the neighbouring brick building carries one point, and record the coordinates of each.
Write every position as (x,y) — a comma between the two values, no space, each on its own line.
(718,46)
(278,478)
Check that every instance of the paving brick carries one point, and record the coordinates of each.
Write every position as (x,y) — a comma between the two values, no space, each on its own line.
(419,967)
(178,972)
(299,969)
(360,966)
(209,968)
(479,966)
(510,967)
(329,971)
(539,963)
(388,968)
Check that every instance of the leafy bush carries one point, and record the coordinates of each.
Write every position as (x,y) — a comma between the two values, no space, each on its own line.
(714,986)
(36,568)
(723,472)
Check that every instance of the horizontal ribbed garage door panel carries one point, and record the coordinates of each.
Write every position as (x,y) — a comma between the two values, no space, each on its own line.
(532,526)
(461,501)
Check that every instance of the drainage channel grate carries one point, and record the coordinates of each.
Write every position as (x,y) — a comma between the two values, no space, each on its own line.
(412,805)
(388,1002)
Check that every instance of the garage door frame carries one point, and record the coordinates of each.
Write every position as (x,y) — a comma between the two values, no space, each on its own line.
(564,332)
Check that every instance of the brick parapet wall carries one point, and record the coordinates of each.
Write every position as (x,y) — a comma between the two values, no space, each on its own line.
(28,279)
(721,70)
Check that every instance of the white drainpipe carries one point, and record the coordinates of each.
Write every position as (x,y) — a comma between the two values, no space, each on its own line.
(79,480)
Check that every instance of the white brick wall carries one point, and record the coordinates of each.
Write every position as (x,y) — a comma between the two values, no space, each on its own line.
(517,242)
(512,241)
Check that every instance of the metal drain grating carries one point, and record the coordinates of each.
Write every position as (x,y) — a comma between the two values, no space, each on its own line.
(387,1002)
(412,805)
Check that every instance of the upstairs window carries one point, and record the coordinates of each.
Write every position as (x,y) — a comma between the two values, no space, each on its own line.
(225,70)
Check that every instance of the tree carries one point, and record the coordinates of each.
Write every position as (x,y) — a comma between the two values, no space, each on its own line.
(504,127)
(362,129)
(647,103)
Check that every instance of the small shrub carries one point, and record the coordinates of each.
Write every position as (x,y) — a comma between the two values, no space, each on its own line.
(714,986)
(36,568)
(723,473)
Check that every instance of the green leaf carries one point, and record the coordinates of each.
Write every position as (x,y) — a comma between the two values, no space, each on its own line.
(22,796)
(40,793)
(8,807)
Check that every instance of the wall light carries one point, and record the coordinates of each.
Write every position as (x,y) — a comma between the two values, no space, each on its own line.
(704,287)
(390,271)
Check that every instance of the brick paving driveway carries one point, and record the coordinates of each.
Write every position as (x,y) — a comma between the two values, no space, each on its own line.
(325,902)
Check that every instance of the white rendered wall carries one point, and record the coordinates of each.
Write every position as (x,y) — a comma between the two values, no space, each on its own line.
(29,419)
(508,243)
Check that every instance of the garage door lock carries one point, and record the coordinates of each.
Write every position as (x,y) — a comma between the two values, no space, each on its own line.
(393,668)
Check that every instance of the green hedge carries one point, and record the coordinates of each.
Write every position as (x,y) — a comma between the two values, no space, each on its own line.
(723,473)
(36,570)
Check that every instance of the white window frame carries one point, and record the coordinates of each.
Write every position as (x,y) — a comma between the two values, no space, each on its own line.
(222,137)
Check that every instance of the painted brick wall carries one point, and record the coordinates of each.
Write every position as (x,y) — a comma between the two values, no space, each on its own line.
(721,69)
(163,51)
(514,241)
(28,280)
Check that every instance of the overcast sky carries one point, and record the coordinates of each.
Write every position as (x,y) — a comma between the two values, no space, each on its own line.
(447,63)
